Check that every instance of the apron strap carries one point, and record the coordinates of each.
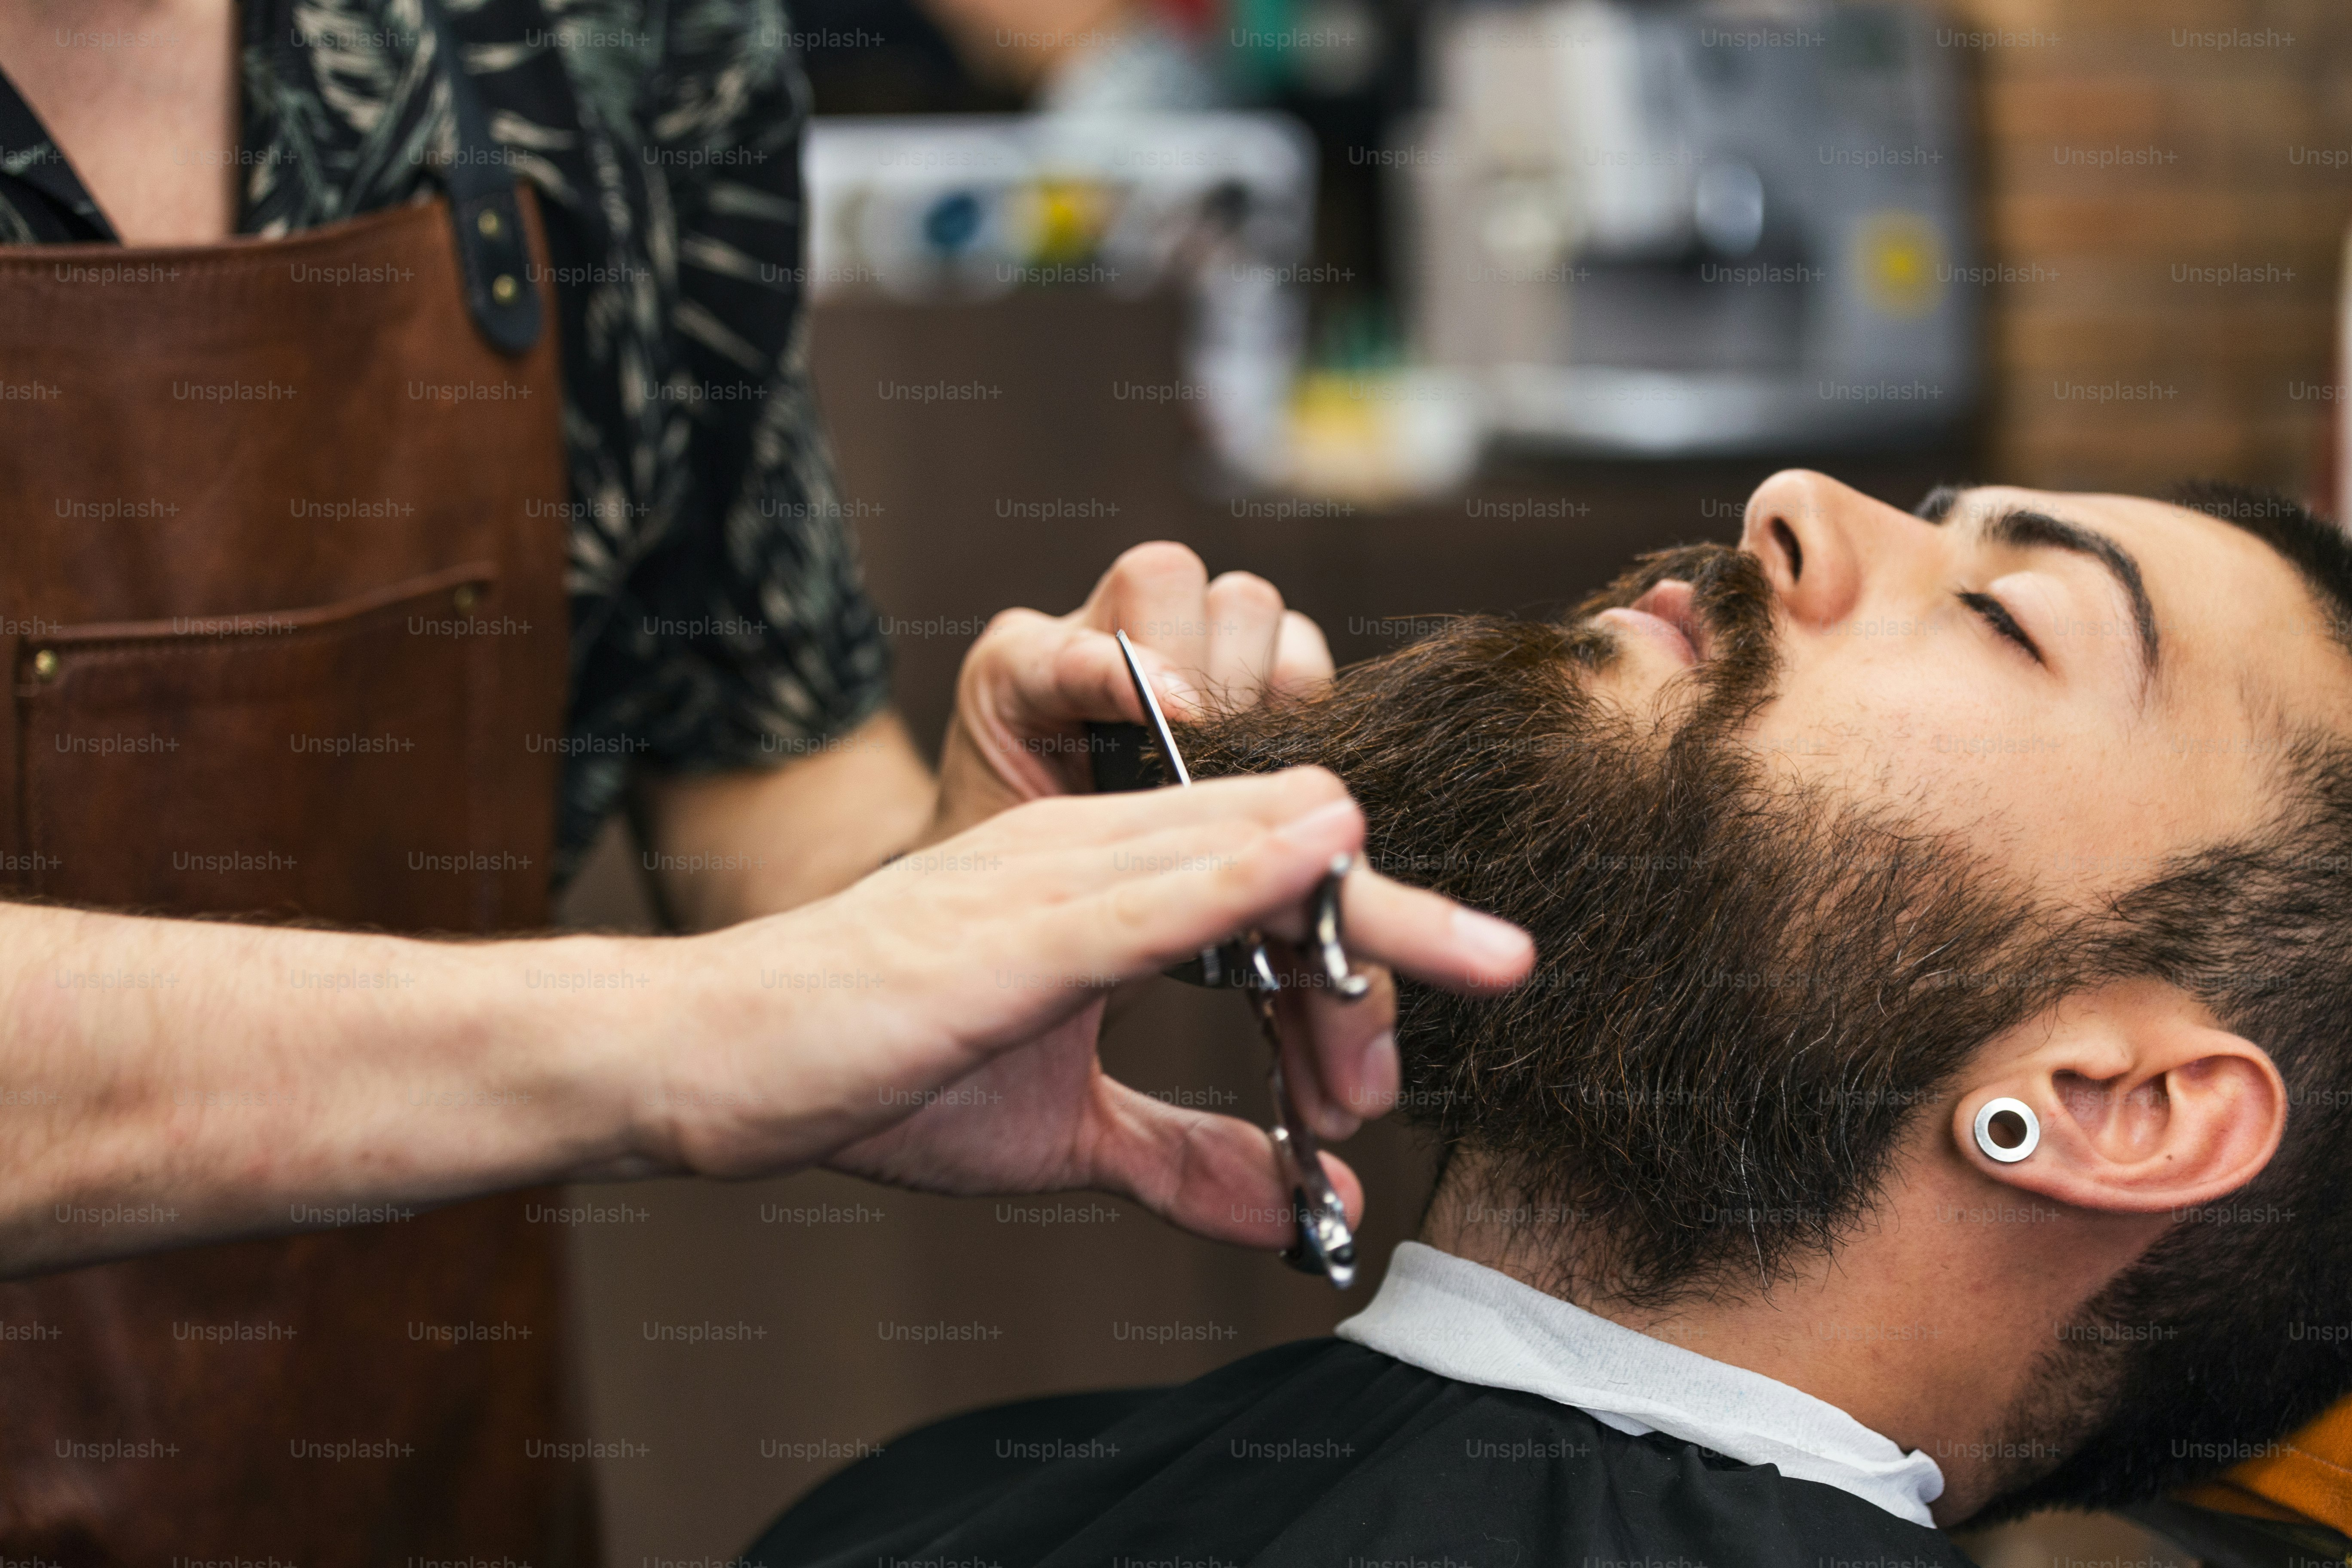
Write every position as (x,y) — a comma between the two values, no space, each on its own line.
(492,253)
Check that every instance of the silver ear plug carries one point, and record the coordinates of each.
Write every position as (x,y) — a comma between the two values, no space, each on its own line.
(2017,1118)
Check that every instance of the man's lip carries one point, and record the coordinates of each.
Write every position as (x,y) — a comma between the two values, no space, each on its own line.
(1665,614)
(1662,632)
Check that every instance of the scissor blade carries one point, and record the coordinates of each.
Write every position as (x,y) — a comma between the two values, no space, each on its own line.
(1159,731)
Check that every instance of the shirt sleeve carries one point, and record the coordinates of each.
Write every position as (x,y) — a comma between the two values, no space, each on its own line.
(747,623)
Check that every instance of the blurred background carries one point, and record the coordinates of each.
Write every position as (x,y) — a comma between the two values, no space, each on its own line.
(1420,307)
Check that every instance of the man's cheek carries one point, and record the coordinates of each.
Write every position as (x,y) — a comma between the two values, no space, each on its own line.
(1908,742)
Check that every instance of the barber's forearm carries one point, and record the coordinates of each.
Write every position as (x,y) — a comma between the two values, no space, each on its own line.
(732,847)
(163,1082)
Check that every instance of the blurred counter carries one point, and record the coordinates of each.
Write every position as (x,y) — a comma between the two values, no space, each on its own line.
(1003,453)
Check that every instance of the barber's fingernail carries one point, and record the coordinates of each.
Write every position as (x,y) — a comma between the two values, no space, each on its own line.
(1498,942)
(1333,1125)
(1177,698)
(1377,1077)
(1331,816)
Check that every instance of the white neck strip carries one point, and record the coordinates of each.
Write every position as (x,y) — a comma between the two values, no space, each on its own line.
(1466,1321)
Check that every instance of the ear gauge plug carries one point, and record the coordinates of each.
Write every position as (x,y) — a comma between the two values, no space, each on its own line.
(2007,1130)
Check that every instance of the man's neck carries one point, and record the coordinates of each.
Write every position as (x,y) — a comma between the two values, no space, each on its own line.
(1927,1326)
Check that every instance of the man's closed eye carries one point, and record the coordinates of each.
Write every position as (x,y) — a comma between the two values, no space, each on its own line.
(1996,616)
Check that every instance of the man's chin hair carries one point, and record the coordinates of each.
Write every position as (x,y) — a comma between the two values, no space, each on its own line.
(1745,989)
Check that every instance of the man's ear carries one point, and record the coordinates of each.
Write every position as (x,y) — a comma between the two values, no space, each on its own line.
(2145,1102)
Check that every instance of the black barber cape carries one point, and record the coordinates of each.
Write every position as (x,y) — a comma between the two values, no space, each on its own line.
(1323,1454)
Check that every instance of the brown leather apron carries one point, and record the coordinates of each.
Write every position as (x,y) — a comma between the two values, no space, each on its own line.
(283,623)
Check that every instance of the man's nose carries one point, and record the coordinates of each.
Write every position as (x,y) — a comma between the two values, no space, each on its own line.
(1821,542)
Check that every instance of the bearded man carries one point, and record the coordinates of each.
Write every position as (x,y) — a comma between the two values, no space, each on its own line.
(1930,1103)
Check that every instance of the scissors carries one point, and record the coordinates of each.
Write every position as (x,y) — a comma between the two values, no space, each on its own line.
(1324,1246)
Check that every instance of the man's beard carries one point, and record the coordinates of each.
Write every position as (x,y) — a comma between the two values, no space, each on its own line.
(1743,988)
(1746,992)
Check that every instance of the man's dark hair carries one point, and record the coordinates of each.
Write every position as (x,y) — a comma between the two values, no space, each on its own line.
(2316,547)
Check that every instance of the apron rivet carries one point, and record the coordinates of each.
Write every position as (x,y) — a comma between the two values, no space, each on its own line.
(488,222)
(464,598)
(46,664)
(502,289)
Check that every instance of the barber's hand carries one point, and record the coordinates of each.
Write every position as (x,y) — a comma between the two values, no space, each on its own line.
(945,1039)
(1032,681)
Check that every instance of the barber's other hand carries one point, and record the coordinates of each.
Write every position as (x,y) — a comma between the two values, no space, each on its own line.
(934,1025)
(1032,681)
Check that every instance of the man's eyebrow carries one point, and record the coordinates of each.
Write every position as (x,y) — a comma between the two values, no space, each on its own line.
(1937,504)
(2023,529)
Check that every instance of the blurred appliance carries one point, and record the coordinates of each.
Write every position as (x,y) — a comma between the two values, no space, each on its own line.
(1691,228)
(1219,207)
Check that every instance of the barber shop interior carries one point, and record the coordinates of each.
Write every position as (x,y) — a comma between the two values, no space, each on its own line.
(1176,784)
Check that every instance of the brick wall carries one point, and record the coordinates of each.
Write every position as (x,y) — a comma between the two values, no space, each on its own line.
(2173,242)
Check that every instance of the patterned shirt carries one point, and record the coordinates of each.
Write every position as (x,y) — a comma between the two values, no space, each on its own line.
(716,614)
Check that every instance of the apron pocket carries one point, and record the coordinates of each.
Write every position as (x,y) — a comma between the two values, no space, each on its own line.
(333,763)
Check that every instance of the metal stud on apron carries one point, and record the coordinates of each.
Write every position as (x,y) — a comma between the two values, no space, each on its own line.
(284,629)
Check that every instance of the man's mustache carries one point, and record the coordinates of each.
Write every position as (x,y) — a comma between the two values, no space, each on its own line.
(1729,586)
(1732,598)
